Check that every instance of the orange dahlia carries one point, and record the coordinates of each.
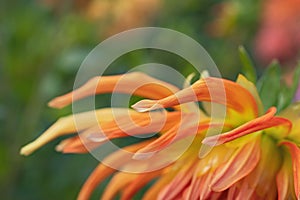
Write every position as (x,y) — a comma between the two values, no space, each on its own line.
(248,153)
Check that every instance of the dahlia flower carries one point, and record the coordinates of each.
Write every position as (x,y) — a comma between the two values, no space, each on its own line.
(249,153)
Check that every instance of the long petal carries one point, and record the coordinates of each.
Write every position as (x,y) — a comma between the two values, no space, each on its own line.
(136,124)
(209,89)
(118,121)
(98,175)
(240,165)
(285,179)
(138,183)
(216,157)
(266,121)
(73,123)
(295,154)
(261,183)
(78,145)
(157,145)
(193,191)
(177,185)
(136,83)
(178,132)
(205,182)
(118,182)
(154,190)
(118,158)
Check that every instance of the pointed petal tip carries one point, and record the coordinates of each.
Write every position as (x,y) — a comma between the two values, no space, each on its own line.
(26,150)
(97,137)
(210,141)
(204,150)
(55,104)
(59,148)
(60,102)
(142,156)
(146,105)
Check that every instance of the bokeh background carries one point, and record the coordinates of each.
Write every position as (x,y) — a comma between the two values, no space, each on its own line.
(43,42)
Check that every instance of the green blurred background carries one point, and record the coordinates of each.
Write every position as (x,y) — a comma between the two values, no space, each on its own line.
(42,44)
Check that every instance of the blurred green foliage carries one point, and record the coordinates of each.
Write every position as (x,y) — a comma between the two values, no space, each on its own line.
(41,50)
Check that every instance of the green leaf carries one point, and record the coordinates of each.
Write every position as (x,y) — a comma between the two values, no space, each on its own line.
(288,93)
(269,85)
(296,80)
(248,68)
(283,97)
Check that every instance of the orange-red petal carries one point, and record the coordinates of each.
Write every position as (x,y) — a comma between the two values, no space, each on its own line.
(285,179)
(210,89)
(295,154)
(266,121)
(136,83)
(77,144)
(154,190)
(117,183)
(260,183)
(241,163)
(177,185)
(73,123)
(118,158)
(140,181)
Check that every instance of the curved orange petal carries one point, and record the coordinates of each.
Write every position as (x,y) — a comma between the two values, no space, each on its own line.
(295,154)
(284,179)
(205,182)
(118,158)
(233,191)
(77,144)
(210,89)
(193,190)
(261,183)
(266,121)
(159,144)
(216,157)
(102,125)
(154,190)
(137,124)
(117,183)
(136,83)
(177,185)
(98,175)
(178,132)
(73,123)
(281,130)
(140,181)
(238,166)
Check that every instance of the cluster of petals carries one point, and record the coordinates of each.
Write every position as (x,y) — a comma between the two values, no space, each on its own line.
(247,153)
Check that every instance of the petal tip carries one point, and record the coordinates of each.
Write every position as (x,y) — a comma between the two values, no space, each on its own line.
(97,137)
(146,105)
(26,151)
(210,141)
(61,101)
(142,156)
(55,103)
(59,148)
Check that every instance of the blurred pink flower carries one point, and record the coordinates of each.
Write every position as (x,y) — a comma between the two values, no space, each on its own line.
(279,33)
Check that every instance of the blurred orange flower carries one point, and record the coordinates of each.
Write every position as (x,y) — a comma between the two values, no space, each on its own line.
(112,16)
